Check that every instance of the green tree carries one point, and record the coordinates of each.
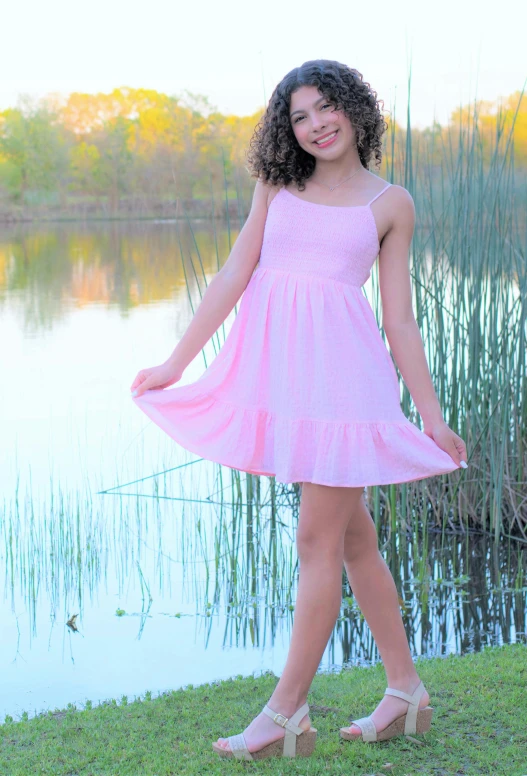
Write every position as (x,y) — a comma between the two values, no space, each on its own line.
(33,151)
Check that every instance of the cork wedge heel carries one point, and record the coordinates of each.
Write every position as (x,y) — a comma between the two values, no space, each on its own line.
(415,720)
(295,743)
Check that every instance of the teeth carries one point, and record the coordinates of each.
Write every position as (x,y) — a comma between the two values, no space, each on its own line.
(325,140)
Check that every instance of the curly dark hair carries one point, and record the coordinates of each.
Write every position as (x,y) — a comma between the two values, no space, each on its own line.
(274,153)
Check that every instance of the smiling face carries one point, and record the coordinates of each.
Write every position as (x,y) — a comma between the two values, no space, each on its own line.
(314,118)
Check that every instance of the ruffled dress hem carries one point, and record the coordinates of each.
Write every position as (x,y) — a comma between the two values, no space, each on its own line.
(260,442)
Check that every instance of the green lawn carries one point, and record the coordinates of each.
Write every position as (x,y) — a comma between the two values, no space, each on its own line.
(479,727)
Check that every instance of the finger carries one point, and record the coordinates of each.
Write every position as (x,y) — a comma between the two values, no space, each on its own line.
(138,385)
(451,449)
(454,454)
(461,451)
(138,380)
(154,383)
(148,382)
(143,375)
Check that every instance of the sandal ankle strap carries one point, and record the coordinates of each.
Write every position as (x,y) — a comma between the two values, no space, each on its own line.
(292,730)
(413,699)
(291,722)
(410,722)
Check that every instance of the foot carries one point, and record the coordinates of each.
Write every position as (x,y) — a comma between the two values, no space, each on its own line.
(263,731)
(391,707)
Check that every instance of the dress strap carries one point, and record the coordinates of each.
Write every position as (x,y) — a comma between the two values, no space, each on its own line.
(379,194)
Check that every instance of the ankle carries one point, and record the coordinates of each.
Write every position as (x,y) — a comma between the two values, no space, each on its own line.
(405,682)
(285,704)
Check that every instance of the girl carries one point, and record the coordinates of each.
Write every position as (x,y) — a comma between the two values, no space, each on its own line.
(305,389)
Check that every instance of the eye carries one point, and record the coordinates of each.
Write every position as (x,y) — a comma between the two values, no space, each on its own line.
(324,105)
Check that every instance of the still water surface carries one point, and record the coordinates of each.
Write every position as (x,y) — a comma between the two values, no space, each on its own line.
(180,571)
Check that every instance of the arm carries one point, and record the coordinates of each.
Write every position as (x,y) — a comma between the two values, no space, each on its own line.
(398,319)
(401,327)
(227,286)
(219,298)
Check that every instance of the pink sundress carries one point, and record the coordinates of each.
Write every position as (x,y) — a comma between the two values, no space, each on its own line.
(304,388)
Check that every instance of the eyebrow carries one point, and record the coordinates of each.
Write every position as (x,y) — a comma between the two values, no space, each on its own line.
(303,111)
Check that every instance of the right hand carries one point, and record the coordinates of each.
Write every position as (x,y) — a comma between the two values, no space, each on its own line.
(156,377)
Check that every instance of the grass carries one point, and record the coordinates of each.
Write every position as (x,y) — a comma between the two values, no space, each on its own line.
(479,726)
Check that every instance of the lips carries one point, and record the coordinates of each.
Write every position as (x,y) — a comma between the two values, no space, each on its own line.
(325,137)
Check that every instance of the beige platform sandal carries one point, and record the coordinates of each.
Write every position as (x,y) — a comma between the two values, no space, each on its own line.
(415,720)
(296,742)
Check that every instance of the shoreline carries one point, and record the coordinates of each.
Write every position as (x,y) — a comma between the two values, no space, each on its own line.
(478,727)
(179,209)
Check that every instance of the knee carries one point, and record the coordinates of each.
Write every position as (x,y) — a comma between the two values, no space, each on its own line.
(315,545)
(361,549)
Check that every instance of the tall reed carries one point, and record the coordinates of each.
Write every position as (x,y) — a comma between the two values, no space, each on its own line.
(469,280)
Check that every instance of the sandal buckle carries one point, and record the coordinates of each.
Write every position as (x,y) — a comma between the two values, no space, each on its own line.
(282,724)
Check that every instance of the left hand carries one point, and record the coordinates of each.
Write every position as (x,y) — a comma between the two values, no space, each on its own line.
(448,441)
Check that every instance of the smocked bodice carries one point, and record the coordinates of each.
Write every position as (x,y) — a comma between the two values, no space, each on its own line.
(336,243)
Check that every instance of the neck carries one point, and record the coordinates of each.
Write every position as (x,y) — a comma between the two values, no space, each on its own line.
(334,170)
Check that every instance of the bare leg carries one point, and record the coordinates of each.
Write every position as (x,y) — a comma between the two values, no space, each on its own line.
(374,589)
(324,515)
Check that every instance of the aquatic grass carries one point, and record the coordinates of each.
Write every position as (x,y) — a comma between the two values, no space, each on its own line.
(241,565)
(234,538)
(469,279)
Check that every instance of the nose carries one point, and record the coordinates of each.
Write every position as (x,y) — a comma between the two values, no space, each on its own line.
(318,129)
(318,125)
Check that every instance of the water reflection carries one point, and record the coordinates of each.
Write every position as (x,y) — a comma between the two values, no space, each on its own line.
(51,268)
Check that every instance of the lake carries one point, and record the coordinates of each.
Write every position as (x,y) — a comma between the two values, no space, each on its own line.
(170,570)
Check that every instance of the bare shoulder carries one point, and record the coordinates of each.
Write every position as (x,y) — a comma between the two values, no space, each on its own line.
(401,199)
(401,209)
(262,196)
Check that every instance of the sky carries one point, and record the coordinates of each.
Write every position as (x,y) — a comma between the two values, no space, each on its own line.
(234,52)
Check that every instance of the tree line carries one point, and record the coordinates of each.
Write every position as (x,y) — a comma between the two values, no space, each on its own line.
(143,146)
